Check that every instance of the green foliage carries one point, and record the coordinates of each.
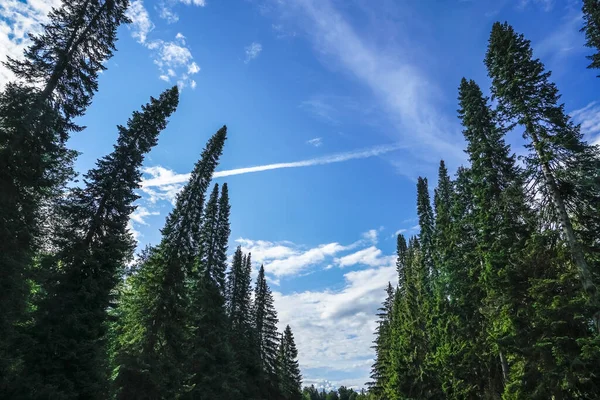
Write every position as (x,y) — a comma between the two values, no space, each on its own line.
(155,325)
(288,370)
(591,16)
(56,80)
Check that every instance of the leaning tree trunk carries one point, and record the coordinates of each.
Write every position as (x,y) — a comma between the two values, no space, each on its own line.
(565,221)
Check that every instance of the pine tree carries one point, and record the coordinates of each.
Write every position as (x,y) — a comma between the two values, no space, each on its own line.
(591,16)
(56,80)
(382,343)
(154,330)
(265,323)
(561,165)
(67,355)
(288,370)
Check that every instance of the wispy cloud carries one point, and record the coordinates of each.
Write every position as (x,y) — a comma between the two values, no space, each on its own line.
(173,58)
(167,12)
(409,96)
(564,40)
(252,51)
(589,118)
(317,142)
(162,183)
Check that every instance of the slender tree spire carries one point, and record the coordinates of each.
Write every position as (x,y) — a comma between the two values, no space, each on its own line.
(382,345)
(288,370)
(155,324)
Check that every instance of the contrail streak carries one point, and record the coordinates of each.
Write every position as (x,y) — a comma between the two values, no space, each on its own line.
(169,179)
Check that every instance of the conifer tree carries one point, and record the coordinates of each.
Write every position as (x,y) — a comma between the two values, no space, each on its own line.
(382,343)
(561,164)
(288,370)
(591,16)
(265,321)
(154,329)
(243,335)
(503,225)
(56,80)
(212,369)
(67,355)
(426,224)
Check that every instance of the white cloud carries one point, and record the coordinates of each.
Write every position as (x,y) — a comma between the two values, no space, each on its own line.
(589,118)
(371,256)
(141,213)
(173,58)
(334,331)
(166,8)
(252,51)
(200,3)
(140,21)
(167,14)
(18,20)
(371,235)
(164,183)
(193,68)
(317,142)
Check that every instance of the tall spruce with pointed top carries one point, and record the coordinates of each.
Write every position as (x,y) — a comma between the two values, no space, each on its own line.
(382,344)
(242,333)
(591,16)
(563,167)
(430,303)
(267,337)
(55,82)
(407,370)
(503,226)
(211,367)
(154,330)
(288,369)
(66,356)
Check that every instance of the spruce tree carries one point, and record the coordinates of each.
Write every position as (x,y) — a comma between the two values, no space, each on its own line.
(55,82)
(242,333)
(288,370)
(154,329)
(591,16)
(211,367)
(561,164)
(67,356)
(265,324)
(382,344)
(503,225)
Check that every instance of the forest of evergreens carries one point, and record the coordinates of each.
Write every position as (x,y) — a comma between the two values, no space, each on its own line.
(496,297)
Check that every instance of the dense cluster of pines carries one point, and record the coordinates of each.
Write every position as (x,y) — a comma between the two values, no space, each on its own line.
(79,317)
(497,296)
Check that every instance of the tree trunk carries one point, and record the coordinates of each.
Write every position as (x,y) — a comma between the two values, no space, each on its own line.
(565,221)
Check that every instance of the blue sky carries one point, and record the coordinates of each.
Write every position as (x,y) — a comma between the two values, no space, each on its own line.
(334,108)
